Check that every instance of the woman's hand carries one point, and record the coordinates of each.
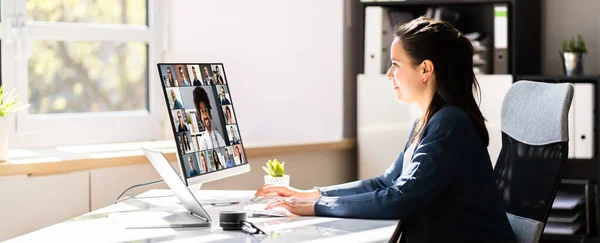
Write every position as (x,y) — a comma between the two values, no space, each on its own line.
(287,191)
(297,206)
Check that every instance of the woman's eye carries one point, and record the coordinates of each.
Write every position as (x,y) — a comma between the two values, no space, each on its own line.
(395,64)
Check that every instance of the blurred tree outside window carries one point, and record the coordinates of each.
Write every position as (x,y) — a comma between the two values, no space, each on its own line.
(88,76)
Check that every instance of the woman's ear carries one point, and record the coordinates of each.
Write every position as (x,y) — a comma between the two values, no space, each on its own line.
(428,69)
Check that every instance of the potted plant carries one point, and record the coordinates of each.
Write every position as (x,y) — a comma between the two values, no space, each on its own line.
(572,56)
(8,104)
(276,173)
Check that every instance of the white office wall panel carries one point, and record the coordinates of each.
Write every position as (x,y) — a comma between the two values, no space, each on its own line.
(383,124)
(283,60)
(493,89)
(31,203)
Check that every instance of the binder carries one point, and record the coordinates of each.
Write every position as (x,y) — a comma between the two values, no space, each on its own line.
(584,117)
(376,22)
(501,56)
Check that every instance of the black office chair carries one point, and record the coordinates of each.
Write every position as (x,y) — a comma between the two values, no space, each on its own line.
(535,135)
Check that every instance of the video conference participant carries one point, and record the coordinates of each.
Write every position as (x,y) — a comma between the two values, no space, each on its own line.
(234,140)
(203,160)
(181,127)
(172,81)
(196,81)
(229,162)
(210,138)
(224,100)
(229,120)
(208,80)
(239,159)
(184,81)
(193,171)
(442,186)
(186,144)
(217,160)
(176,103)
(218,75)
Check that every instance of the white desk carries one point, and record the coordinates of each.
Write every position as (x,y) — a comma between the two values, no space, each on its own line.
(97,227)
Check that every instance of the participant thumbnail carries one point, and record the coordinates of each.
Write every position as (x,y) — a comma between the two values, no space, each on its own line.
(195,76)
(180,121)
(229,115)
(229,160)
(207,75)
(238,154)
(174,97)
(182,75)
(191,165)
(218,75)
(233,135)
(223,95)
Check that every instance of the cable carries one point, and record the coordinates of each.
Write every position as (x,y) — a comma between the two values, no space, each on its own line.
(138,185)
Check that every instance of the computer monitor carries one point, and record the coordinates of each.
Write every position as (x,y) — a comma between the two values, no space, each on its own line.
(200,106)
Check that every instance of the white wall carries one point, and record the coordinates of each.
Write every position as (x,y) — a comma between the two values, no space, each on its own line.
(283,61)
(563,19)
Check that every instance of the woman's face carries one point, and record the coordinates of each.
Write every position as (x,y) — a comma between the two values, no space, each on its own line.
(406,78)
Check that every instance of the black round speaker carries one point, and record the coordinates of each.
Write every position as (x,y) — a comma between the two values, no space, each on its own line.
(230,220)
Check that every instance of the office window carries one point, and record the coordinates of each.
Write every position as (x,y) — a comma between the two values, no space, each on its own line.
(74,77)
(85,67)
(132,12)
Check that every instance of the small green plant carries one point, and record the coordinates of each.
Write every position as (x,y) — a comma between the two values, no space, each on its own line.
(274,168)
(574,45)
(10,103)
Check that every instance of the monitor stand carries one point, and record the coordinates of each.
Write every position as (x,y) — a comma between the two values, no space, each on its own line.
(211,199)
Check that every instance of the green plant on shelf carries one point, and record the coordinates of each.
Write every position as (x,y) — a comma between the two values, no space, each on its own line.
(274,168)
(573,45)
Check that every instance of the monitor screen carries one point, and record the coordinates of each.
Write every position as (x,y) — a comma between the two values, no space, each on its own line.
(202,117)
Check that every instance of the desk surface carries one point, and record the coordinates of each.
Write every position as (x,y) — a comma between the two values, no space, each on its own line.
(97,227)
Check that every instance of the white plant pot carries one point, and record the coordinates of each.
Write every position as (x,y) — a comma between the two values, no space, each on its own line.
(3,138)
(282,181)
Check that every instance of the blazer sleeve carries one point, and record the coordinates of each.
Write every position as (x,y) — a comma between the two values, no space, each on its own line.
(430,171)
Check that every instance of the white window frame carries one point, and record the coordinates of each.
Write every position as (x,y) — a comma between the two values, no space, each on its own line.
(44,130)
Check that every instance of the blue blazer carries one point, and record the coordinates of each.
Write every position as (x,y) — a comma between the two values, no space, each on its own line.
(447,194)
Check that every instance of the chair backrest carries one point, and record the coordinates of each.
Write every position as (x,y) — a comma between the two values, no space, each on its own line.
(535,135)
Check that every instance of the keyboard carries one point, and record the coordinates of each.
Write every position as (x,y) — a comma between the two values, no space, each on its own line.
(258,209)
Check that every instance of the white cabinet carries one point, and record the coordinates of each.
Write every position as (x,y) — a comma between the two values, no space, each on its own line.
(30,203)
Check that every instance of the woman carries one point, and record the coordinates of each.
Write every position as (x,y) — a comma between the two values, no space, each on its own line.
(239,159)
(217,161)
(204,165)
(229,116)
(172,81)
(442,186)
(186,143)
